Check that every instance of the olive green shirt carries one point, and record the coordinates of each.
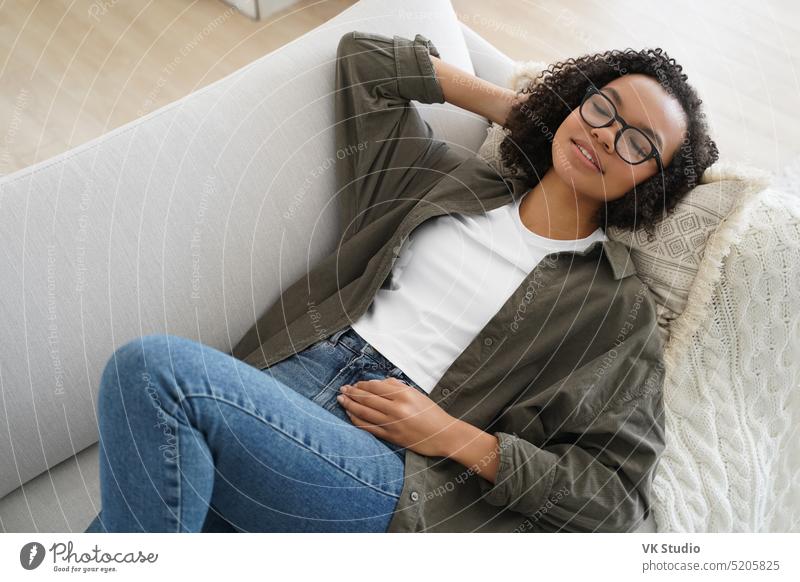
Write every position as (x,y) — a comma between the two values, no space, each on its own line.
(568,373)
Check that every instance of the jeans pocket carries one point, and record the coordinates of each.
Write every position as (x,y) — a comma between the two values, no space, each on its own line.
(312,370)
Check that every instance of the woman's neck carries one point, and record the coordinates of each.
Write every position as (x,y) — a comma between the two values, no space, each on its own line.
(553,209)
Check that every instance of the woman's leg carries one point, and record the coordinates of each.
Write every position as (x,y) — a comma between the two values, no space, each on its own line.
(185,427)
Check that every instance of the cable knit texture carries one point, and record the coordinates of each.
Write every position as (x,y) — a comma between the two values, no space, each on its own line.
(732,384)
(731,397)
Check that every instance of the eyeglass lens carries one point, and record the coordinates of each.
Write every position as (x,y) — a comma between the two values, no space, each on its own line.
(632,146)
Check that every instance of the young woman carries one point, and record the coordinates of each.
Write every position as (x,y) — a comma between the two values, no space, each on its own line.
(476,355)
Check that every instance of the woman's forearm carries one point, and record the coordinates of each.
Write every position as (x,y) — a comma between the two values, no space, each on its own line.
(473,93)
(468,445)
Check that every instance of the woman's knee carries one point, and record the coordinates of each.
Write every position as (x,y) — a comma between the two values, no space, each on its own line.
(135,355)
(144,363)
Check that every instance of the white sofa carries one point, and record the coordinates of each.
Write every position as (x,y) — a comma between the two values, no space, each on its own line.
(187,221)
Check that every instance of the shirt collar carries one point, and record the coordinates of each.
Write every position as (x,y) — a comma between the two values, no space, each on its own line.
(616,252)
(619,257)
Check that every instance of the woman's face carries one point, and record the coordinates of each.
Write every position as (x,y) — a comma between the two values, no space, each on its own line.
(642,103)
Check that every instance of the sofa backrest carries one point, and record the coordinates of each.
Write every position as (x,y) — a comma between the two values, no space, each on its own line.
(188,221)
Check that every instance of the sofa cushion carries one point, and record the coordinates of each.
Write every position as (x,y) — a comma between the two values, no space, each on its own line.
(670,263)
(64,499)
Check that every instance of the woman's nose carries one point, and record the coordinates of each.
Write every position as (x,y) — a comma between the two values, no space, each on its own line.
(604,136)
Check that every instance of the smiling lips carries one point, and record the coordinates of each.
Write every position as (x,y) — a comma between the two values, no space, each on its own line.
(585,153)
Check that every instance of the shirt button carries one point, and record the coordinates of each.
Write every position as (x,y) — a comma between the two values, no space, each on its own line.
(414,496)
(445,391)
(487,341)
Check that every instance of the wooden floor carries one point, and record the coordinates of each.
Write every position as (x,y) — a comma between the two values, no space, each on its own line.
(71,70)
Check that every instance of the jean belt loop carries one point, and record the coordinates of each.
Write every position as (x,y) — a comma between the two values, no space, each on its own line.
(334,338)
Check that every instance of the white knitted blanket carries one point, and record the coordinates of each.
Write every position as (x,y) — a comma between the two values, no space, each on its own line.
(732,390)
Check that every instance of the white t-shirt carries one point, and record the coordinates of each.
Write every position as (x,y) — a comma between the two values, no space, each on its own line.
(452,276)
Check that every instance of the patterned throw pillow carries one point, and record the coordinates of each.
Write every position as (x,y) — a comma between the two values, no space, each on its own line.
(713,214)
(710,217)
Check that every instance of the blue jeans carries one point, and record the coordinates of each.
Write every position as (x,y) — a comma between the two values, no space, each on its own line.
(193,439)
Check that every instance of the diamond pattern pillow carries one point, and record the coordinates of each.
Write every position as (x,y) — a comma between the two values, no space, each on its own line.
(711,215)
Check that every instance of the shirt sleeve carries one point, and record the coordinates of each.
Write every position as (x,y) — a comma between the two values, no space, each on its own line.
(595,472)
(381,139)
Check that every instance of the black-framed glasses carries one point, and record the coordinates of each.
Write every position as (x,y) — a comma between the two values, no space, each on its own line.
(630,143)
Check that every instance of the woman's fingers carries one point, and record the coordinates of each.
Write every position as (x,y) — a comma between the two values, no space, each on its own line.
(387,388)
(358,422)
(362,410)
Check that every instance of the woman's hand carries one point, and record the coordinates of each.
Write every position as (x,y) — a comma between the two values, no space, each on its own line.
(396,412)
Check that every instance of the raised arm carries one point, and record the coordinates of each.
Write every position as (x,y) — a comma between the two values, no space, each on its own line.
(473,93)
(377,77)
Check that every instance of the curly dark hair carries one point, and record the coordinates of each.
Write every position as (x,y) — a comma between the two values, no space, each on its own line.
(558,90)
